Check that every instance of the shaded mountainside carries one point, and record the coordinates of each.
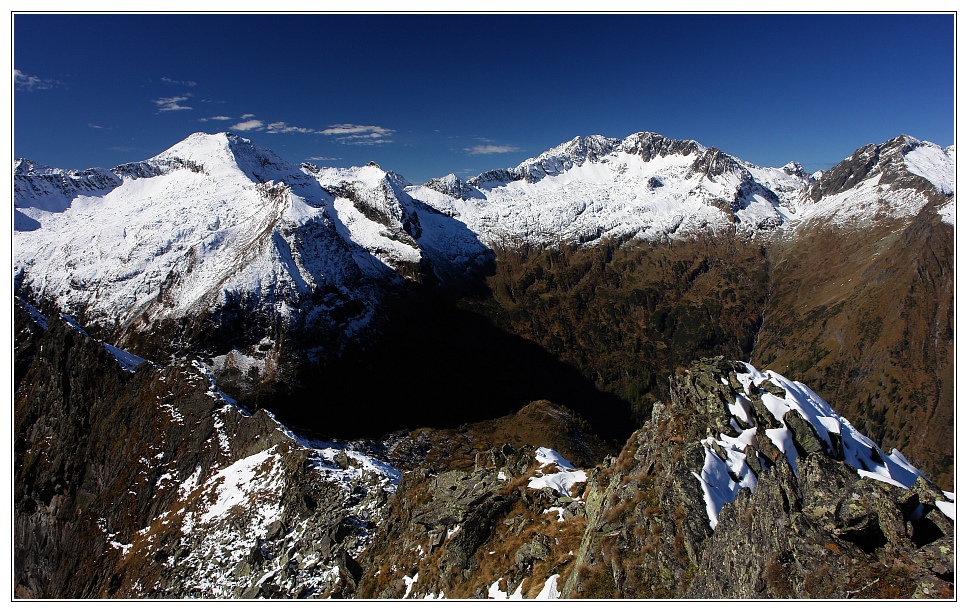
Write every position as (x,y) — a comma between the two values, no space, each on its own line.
(866,318)
(438,365)
(626,316)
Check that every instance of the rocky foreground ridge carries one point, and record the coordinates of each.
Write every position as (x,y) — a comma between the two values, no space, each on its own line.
(132,480)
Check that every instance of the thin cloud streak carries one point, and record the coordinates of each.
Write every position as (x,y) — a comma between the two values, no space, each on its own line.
(489,149)
(281,127)
(171,103)
(245,126)
(174,82)
(355,134)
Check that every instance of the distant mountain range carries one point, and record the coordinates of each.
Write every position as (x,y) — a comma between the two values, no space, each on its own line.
(240,377)
(216,221)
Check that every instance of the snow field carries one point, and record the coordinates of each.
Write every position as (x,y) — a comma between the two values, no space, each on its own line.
(563,480)
(721,479)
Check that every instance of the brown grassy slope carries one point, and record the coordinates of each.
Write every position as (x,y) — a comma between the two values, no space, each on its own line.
(626,316)
(865,317)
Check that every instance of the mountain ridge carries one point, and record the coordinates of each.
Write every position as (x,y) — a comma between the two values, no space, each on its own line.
(219,248)
(513,387)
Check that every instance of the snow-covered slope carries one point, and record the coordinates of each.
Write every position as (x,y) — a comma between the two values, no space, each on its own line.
(894,179)
(644,186)
(216,222)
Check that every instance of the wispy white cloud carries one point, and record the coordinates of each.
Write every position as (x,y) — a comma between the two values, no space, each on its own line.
(252,124)
(344,133)
(281,127)
(487,149)
(216,118)
(355,134)
(348,128)
(26,82)
(321,158)
(96,127)
(172,103)
(174,82)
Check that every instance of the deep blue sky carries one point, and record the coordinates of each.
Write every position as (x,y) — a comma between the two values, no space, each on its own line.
(428,95)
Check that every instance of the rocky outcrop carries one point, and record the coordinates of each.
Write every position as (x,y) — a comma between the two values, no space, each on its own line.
(815,528)
(458,533)
(454,186)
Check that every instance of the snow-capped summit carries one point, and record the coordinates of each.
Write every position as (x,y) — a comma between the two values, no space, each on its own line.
(227,156)
(894,179)
(644,186)
(794,169)
(216,224)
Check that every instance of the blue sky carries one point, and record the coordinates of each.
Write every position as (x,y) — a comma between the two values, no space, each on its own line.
(433,94)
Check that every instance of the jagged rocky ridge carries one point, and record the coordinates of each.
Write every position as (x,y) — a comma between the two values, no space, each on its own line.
(745,485)
(748,486)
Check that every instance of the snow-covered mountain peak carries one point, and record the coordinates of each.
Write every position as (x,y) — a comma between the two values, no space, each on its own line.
(200,147)
(643,186)
(896,178)
(225,154)
(577,150)
(453,186)
(552,162)
(794,169)
(930,161)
